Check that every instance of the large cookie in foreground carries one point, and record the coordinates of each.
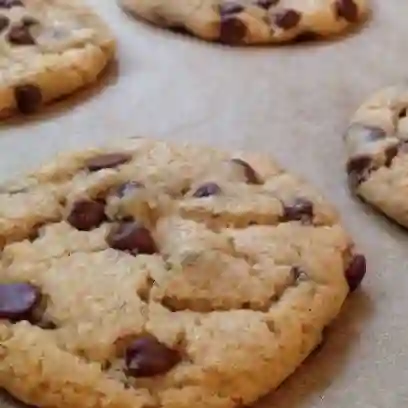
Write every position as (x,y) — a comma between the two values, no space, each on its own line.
(252,21)
(49,49)
(154,275)
(377,152)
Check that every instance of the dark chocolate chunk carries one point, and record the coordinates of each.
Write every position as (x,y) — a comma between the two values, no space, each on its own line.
(107,161)
(347,9)
(29,21)
(127,188)
(355,272)
(17,300)
(147,357)
(265,4)
(207,189)
(131,236)
(11,3)
(229,8)
(19,34)
(287,19)
(232,30)
(402,113)
(4,22)
(300,210)
(358,164)
(86,214)
(250,174)
(28,98)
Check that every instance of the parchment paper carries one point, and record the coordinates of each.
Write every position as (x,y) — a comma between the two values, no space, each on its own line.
(291,102)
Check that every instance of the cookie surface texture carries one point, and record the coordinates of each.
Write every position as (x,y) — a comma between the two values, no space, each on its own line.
(48,50)
(152,275)
(377,154)
(252,21)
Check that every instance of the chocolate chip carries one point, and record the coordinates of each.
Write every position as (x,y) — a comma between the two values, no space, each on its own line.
(287,19)
(250,174)
(4,23)
(402,113)
(29,21)
(86,214)
(147,357)
(358,164)
(19,34)
(11,3)
(131,236)
(346,9)
(107,161)
(17,300)
(390,153)
(206,190)
(232,30)
(229,8)
(127,188)
(265,4)
(355,272)
(28,98)
(300,210)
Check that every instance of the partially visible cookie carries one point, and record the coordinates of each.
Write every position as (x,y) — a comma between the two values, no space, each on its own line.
(377,152)
(252,21)
(152,275)
(48,49)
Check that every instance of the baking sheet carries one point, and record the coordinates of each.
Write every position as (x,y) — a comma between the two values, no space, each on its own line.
(292,102)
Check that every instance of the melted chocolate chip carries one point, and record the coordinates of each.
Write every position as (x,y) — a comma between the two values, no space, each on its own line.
(402,113)
(390,154)
(4,22)
(265,4)
(287,19)
(207,189)
(107,161)
(358,164)
(347,9)
(86,214)
(17,300)
(19,34)
(28,98)
(127,188)
(29,21)
(300,210)
(355,272)
(147,357)
(11,3)
(229,8)
(131,236)
(250,174)
(232,30)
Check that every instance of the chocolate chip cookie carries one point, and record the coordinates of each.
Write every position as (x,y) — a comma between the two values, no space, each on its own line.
(48,49)
(252,21)
(145,274)
(377,152)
